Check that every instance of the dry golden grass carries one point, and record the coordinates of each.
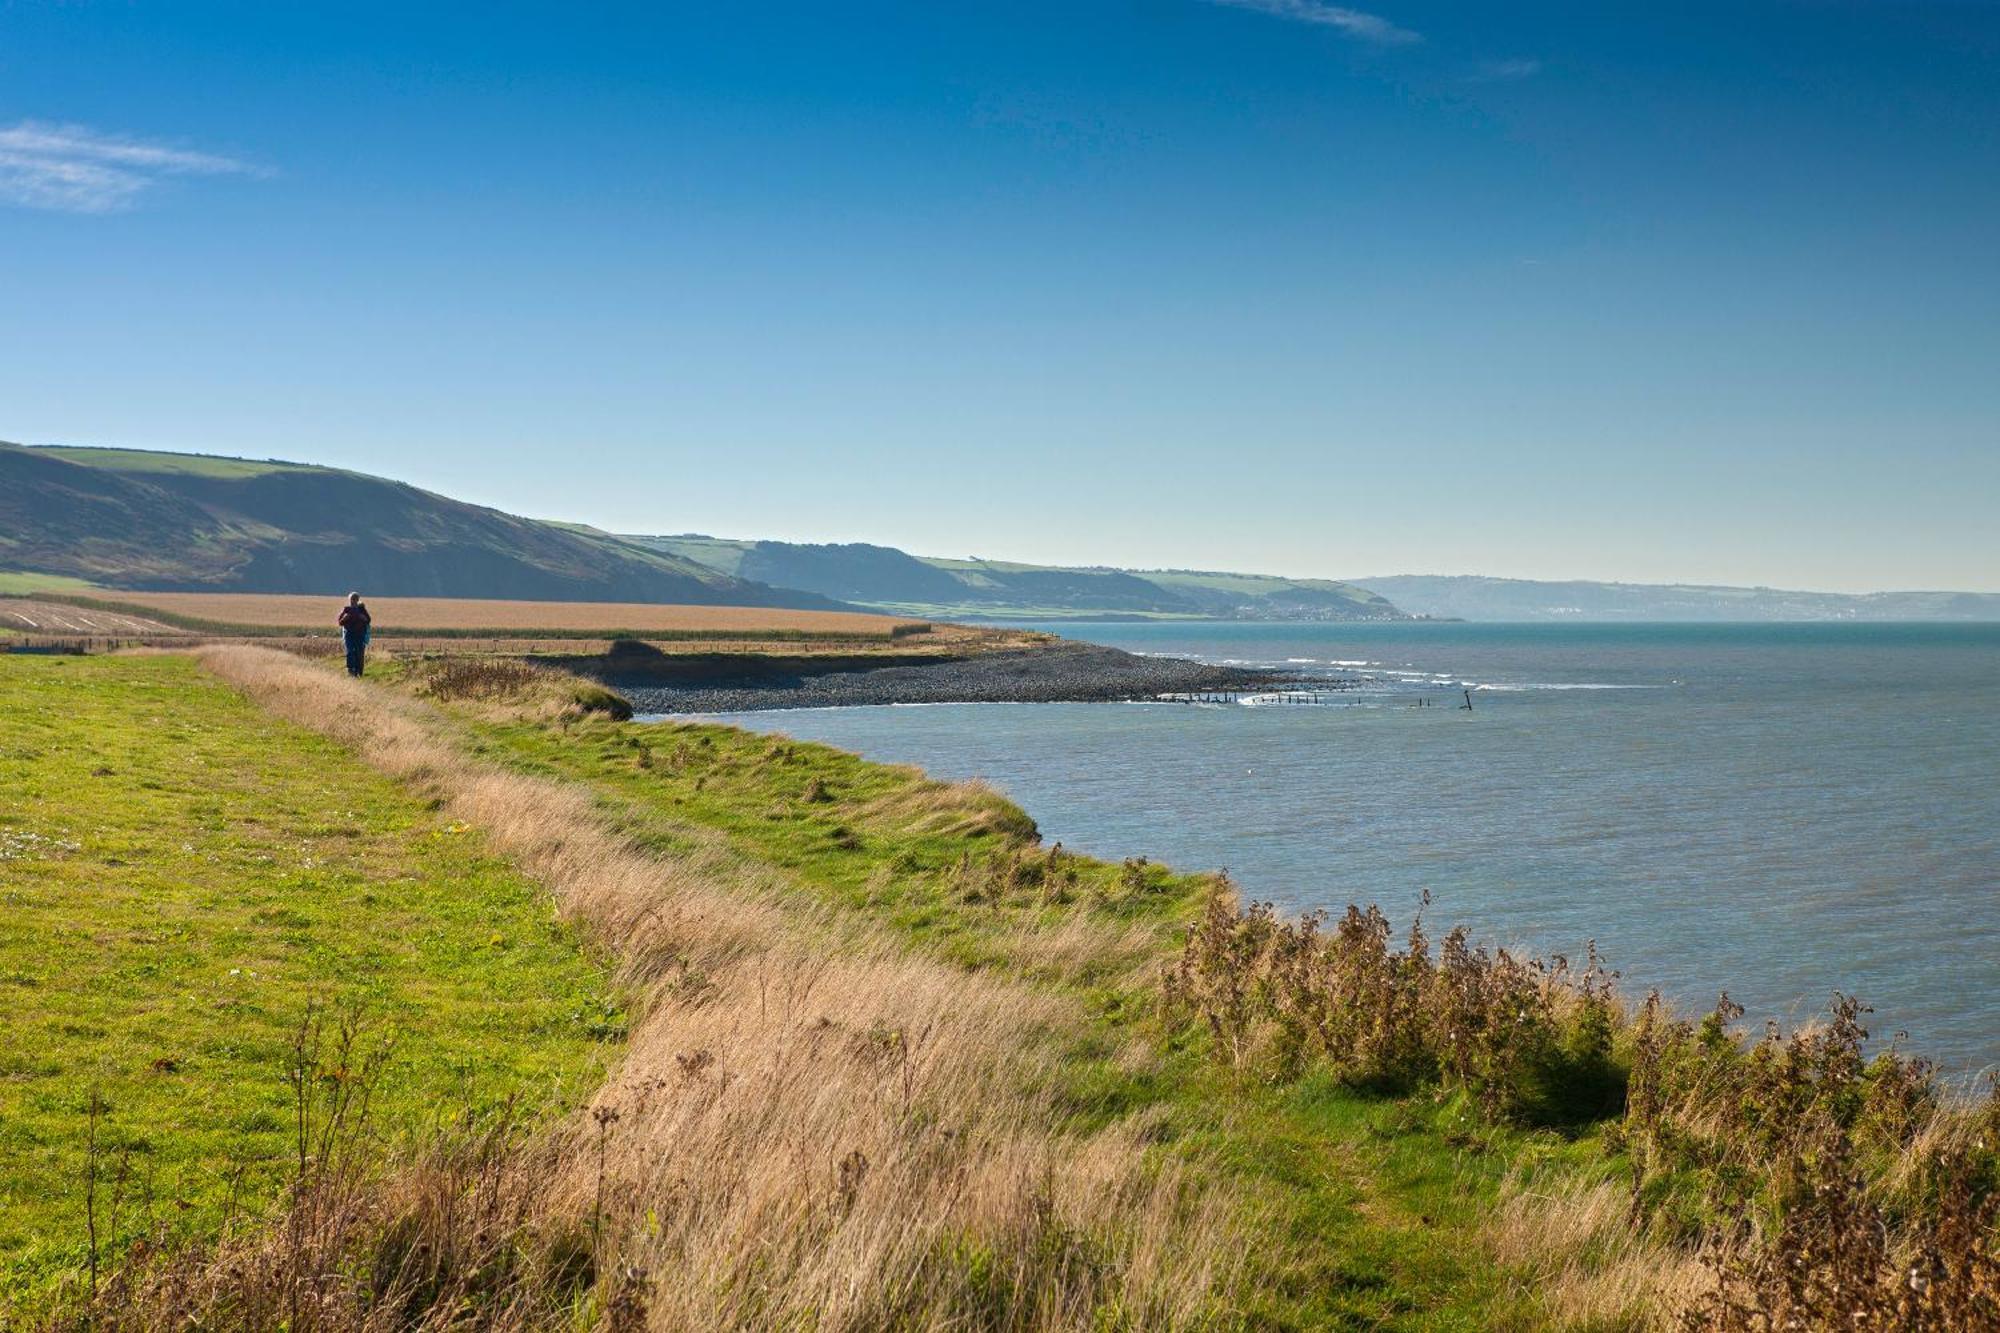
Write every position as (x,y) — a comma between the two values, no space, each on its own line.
(962,808)
(1580,1263)
(466,614)
(812,1127)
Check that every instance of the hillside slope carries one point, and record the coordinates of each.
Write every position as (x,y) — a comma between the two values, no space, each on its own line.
(139,520)
(884,577)
(1470,597)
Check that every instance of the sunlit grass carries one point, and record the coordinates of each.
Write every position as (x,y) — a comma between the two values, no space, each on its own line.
(17,583)
(179,875)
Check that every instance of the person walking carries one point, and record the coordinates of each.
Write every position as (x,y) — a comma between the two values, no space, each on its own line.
(354,622)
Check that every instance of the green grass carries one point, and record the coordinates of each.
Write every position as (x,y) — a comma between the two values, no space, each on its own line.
(179,876)
(183,873)
(1253,585)
(1368,1206)
(187,465)
(718,553)
(15,583)
(968,565)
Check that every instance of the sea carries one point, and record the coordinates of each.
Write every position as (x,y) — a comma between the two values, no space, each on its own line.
(1779,811)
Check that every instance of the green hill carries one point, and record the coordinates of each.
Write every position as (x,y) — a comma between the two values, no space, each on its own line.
(123,518)
(886,578)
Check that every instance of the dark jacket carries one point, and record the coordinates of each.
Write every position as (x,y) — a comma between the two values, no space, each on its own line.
(354,622)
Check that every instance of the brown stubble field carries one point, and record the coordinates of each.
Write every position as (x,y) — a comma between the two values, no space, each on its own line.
(452,614)
(26,615)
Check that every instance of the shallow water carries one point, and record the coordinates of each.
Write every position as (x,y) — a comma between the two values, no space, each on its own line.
(1778,810)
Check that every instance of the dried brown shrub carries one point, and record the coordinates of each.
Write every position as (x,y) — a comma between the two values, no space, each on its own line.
(1835,1190)
(1790,1182)
(1531,1039)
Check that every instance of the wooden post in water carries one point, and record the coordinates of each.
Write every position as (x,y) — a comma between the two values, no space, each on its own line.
(1467,705)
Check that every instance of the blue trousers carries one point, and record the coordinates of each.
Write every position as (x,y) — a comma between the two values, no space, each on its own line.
(357,649)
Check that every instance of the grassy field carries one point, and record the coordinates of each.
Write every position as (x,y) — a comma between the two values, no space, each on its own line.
(179,878)
(418,615)
(14,583)
(189,465)
(896,1063)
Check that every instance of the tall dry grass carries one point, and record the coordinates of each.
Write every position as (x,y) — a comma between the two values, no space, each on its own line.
(512,684)
(812,1128)
(1578,1260)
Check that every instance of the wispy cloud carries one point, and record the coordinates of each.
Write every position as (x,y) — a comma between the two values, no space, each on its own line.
(1509,69)
(1362,26)
(75,169)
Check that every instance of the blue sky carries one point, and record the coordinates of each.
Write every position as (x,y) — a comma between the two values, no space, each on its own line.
(1691,291)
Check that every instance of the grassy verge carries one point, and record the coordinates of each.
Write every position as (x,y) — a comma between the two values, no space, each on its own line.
(815,1126)
(1368,1210)
(179,878)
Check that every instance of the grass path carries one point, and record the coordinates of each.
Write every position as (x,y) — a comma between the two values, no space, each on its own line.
(814,1126)
(179,875)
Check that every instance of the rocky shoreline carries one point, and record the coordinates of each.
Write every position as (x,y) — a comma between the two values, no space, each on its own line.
(1062,673)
